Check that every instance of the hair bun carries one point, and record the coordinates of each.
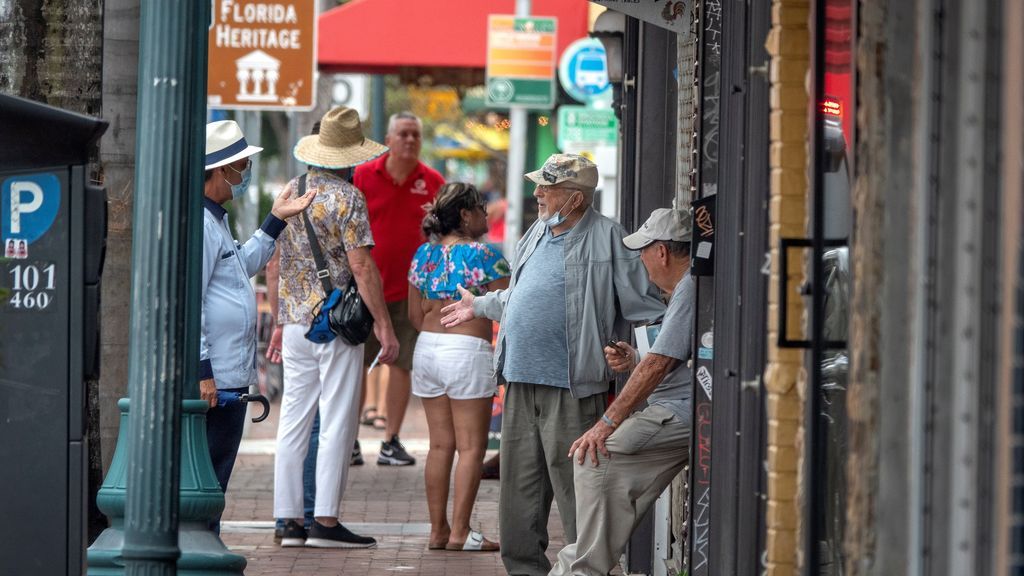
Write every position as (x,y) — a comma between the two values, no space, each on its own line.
(431,223)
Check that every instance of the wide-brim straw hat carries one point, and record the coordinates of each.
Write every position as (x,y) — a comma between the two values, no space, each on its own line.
(340,143)
(225,143)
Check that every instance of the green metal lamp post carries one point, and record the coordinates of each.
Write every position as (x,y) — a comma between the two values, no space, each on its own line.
(161,490)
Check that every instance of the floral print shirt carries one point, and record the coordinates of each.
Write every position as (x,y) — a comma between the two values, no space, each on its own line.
(437,269)
(339,217)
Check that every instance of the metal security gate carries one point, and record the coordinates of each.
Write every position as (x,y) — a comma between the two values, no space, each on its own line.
(726,508)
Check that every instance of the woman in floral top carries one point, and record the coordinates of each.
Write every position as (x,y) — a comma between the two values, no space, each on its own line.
(452,369)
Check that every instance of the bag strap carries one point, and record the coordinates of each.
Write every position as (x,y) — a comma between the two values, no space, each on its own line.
(314,244)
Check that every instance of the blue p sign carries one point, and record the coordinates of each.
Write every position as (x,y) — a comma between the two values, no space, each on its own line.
(28,206)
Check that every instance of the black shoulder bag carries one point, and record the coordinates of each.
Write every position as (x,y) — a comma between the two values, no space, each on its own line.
(341,312)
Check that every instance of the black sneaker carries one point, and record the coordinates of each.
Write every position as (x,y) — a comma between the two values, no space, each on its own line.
(357,456)
(321,536)
(392,453)
(293,535)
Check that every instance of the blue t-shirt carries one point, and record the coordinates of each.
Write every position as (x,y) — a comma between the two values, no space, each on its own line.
(536,351)
(437,270)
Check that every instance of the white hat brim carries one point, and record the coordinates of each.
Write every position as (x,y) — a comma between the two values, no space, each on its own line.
(637,241)
(249,151)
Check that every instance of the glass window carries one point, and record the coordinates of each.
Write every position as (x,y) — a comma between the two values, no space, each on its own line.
(835,108)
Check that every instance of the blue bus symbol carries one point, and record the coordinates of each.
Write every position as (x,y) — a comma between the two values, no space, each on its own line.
(591,72)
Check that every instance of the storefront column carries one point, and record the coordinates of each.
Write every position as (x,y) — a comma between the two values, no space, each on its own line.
(788,46)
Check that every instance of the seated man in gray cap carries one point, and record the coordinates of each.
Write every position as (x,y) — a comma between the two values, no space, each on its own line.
(574,286)
(628,458)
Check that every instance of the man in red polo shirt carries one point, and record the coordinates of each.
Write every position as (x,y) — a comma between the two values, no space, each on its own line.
(396,186)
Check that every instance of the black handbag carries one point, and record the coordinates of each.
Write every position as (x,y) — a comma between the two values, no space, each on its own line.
(342,312)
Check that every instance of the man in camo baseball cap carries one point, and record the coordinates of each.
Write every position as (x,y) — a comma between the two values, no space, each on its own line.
(571,169)
(574,286)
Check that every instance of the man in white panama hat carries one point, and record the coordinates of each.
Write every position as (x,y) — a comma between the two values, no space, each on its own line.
(227,350)
(325,376)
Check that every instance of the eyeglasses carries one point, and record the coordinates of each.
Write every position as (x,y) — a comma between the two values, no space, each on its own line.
(248,164)
(558,188)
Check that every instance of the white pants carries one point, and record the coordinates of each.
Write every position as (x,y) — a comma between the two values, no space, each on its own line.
(456,365)
(328,376)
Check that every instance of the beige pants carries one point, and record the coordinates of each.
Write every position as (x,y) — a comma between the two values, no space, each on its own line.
(647,451)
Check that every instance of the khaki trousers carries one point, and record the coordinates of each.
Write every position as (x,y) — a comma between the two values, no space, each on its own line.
(647,451)
(538,426)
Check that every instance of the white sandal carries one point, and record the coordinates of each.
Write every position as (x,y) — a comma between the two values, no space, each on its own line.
(475,542)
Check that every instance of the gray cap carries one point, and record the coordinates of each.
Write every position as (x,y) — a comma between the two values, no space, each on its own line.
(566,169)
(663,224)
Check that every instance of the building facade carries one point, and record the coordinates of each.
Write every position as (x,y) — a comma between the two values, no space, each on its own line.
(857,361)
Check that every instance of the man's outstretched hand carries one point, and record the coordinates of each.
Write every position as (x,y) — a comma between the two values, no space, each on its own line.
(285,206)
(458,312)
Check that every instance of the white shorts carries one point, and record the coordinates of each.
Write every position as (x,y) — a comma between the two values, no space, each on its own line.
(458,365)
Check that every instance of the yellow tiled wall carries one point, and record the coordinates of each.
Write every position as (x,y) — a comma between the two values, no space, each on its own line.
(788,45)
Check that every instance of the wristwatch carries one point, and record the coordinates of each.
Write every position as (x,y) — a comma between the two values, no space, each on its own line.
(611,423)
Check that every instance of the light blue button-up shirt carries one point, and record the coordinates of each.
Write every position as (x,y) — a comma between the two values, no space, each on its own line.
(227,348)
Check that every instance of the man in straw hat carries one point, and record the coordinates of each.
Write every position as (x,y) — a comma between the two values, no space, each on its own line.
(227,352)
(628,458)
(574,286)
(328,375)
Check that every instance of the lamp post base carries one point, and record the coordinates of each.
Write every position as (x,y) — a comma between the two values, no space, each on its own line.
(202,552)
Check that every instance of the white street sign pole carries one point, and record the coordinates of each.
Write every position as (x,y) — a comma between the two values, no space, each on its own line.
(516,164)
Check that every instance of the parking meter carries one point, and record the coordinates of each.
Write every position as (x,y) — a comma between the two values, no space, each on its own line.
(52,237)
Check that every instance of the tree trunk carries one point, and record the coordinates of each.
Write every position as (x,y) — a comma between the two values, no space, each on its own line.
(52,52)
(117,153)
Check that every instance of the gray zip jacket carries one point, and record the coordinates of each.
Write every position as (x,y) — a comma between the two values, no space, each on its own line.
(606,289)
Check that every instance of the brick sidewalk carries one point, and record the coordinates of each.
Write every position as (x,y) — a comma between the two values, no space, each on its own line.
(384,502)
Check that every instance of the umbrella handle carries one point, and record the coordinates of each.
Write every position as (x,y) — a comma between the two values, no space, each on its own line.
(263,402)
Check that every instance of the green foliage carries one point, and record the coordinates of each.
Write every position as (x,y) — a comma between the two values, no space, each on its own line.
(396,99)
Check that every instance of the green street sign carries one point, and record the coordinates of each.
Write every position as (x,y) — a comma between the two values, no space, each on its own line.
(583,129)
(521,61)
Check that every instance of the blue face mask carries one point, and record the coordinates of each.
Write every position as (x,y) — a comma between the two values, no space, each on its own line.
(240,188)
(557,218)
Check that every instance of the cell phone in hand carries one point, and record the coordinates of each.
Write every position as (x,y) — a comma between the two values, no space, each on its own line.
(615,345)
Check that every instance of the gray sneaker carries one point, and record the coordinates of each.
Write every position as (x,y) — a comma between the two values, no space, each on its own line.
(392,453)
(357,455)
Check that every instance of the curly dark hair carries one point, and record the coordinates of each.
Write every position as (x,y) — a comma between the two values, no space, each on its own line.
(445,215)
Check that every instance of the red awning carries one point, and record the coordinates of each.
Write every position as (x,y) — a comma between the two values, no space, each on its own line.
(387,36)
